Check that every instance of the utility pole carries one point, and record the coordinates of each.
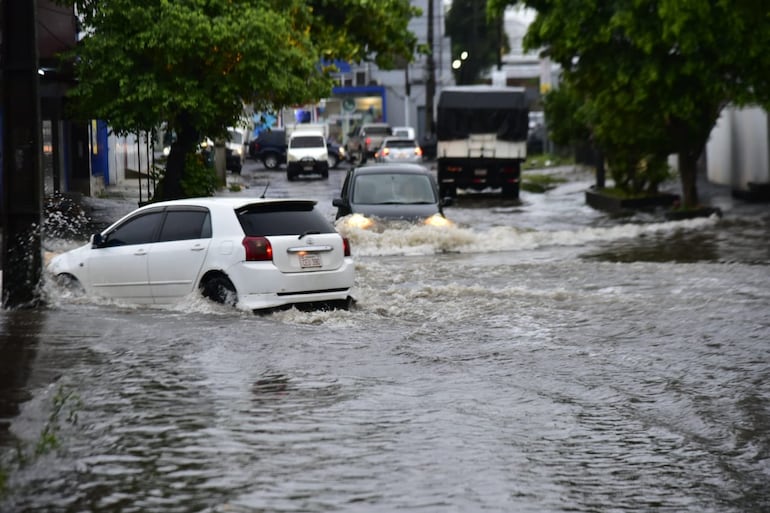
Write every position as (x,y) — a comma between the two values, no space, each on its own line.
(430,85)
(22,185)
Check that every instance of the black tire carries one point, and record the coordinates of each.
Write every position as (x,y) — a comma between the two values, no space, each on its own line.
(447,191)
(510,191)
(219,289)
(270,161)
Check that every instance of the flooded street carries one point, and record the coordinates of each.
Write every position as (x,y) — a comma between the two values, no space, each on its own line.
(537,357)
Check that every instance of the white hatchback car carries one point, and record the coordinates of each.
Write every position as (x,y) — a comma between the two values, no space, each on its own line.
(252,253)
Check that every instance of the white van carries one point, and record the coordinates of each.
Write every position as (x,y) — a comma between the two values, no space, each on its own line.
(237,147)
(404,132)
(306,154)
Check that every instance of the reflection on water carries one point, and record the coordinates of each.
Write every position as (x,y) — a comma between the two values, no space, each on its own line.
(18,350)
(680,247)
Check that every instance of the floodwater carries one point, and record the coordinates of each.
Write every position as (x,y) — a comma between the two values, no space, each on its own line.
(537,357)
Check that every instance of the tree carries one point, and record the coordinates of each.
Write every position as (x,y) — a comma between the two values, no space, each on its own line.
(194,63)
(653,76)
(478,32)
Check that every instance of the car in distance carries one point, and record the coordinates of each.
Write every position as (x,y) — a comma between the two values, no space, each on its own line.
(306,154)
(270,146)
(390,192)
(336,153)
(406,132)
(364,140)
(252,253)
(396,149)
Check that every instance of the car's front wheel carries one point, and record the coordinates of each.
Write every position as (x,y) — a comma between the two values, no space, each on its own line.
(219,288)
(70,284)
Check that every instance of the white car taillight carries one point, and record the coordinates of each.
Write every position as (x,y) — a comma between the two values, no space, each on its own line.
(258,249)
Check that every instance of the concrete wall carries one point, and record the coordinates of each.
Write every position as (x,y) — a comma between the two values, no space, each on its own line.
(737,151)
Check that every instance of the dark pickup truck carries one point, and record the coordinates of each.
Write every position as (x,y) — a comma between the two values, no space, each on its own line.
(364,140)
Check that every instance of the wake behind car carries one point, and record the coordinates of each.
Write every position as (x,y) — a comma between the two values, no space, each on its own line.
(390,192)
(252,253)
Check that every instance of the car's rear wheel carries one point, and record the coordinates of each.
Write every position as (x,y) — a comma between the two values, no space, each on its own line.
(270,161)
(218,288)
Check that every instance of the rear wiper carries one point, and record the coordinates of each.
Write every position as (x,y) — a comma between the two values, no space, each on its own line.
(309,233)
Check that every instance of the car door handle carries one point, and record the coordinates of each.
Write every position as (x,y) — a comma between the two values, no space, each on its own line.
(197,248)
(140,252)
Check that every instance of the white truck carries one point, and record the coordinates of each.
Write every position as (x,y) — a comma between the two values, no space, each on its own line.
(481,134)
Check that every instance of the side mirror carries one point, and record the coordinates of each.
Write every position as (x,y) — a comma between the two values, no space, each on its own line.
(97,240)
(339,203)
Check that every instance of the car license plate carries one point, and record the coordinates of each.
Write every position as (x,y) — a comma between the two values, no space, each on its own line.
(307,167)
(309,261)
(480,172)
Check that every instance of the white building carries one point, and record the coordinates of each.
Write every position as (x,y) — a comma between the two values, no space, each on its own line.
(396,96)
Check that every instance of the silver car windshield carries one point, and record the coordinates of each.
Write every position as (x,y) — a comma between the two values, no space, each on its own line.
(379,189)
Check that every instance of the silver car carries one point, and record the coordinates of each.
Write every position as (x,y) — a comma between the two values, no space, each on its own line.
(251,253)
(395,149)
(372,196)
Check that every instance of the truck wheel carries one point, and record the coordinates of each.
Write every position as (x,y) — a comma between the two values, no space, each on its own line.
(447,191)
(510,191)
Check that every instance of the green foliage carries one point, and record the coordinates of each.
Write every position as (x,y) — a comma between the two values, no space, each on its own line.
(545,160)
(650,78)
(539,183)
(200,179)
(480,34)
(193,64)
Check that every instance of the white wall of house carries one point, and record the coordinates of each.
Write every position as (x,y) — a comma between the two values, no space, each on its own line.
(127,158)
(737,151)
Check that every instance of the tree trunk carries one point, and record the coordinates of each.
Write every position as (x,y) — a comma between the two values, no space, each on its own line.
(186,142)
(688,172)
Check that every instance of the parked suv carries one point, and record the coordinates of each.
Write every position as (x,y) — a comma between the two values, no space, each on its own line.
(269,147)
(364,140)
(307,154)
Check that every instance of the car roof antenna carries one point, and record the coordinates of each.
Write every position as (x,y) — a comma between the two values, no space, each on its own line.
(265,191)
